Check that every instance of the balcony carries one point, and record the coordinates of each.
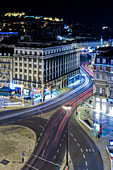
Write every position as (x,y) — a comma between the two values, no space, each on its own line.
(5,68)
(100,94)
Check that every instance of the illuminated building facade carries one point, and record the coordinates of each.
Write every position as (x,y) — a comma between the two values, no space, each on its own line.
(45,66)
(103,82)
(14,14)
(6,66)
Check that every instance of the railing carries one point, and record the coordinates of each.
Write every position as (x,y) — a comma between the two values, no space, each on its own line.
(15,104)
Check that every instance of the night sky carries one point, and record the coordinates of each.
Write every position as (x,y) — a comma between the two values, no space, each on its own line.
(97,12)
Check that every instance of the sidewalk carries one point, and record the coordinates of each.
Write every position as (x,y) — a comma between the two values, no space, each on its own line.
(101,142)
(48,98)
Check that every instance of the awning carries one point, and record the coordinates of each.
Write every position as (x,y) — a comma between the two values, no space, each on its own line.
(5,91)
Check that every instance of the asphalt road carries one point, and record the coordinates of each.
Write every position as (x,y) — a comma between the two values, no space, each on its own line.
(50,105)
(83,151)
(50,145)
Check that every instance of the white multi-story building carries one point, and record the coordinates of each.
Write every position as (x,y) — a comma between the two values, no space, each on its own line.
(6,66)
(103,81)
(39,67)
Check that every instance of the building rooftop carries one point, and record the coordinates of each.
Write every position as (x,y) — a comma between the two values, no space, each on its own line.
(42,44)
(105,52)
(6,50)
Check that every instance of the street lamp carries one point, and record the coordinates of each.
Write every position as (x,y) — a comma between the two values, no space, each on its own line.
(67,107)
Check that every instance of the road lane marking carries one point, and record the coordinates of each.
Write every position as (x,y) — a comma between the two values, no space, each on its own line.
(43,152)
(45,125)
(31,167)
(55,157)
(60,145)
(41,134)
(75,140)
(78,144)
(84,156)
(57,150)
(89,150)
(86,150)
(47,142)
(45,160)
(71,134)
(38,138)
(81,149)
(93,150)
(41,126)
(51,132)
(86,163)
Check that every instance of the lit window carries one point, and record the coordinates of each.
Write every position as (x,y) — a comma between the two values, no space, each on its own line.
(111,69)
(98,60)
(25,52)
(103,61)
(111,62)
(103,90)
(98,89)
(30,52)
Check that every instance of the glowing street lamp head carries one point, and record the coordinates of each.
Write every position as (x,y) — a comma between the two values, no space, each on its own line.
(67,107)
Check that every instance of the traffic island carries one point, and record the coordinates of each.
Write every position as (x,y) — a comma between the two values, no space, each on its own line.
(64,166)
(87,123)
(14,141)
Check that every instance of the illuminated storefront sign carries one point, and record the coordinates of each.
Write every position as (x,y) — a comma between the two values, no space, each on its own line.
(96,126)
(36,90)
(111,142)
(26,92)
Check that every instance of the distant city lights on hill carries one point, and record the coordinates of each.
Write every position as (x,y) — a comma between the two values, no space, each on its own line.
(22,14)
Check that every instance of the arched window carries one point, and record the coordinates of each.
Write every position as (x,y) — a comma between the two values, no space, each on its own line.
(103,100)
(97,99)
(40,53)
